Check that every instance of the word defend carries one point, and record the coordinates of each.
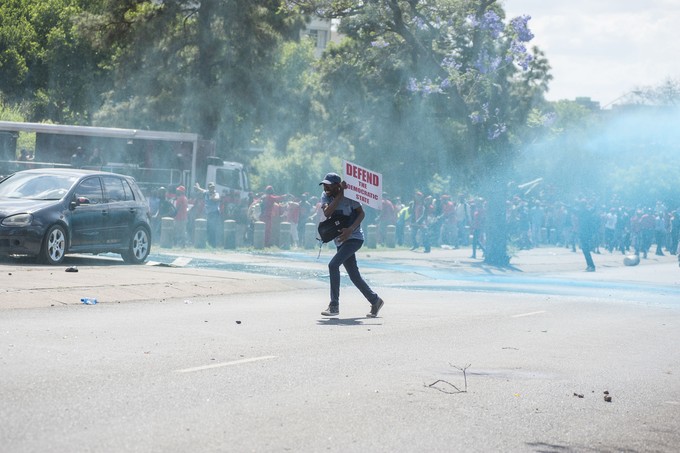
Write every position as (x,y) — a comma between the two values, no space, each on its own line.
(363,185)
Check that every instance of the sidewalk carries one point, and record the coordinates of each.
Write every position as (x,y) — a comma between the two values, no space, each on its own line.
(109,281)
(27,285)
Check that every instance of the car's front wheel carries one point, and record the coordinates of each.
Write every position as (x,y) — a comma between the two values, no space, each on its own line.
(139,247)
(54,246)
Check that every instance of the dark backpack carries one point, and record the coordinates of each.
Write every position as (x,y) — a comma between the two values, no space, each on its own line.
(330,228)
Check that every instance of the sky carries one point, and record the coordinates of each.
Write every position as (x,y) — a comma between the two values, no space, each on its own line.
(604,49)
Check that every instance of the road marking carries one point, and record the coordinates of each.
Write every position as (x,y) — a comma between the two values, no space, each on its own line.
(527,314)
(223,364)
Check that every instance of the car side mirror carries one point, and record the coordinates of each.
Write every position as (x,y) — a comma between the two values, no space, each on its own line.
(78,201)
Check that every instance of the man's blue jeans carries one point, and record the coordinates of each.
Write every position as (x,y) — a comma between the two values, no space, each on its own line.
(346,255)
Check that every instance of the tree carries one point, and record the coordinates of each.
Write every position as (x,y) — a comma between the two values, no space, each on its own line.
(448,79)
(665,94)
(296,153)
(10,112)
(555,148)
(198,66)
(45,62)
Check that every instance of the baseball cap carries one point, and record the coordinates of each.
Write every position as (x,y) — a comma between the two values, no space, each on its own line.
(331,178)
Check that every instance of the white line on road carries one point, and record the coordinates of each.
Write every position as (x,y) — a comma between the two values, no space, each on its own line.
(220,365)
(527,314)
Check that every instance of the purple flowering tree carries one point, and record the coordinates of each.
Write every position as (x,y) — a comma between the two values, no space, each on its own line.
(462,68)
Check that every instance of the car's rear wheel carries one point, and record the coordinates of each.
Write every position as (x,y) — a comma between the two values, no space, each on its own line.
(139,248)
(54,246)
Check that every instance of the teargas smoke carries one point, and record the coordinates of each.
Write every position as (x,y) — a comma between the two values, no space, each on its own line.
(628,155)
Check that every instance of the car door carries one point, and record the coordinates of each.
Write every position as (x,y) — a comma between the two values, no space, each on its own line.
(87,218)
(121,210)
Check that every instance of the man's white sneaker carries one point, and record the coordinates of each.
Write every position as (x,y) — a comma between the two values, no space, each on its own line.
(332,310)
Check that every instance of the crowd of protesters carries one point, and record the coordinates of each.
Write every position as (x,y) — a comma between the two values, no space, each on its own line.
(427,221)
(583,223)
(615,228)
(217,207)
(444,221)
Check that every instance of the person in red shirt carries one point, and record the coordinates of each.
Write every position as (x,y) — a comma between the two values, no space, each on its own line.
(386,217)
(269,209)
(181,217)
(449,228)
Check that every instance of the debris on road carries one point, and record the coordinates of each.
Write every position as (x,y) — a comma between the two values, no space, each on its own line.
(447,388)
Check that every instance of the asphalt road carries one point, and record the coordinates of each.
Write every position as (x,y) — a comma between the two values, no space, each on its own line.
(231,354)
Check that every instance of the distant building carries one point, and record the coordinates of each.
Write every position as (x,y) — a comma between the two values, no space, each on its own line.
(588,103)
(322,32)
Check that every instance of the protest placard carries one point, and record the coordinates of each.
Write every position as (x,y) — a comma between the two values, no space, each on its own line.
(363,185)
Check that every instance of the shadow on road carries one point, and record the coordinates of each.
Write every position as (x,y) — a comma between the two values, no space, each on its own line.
(69,260)
(342,322)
